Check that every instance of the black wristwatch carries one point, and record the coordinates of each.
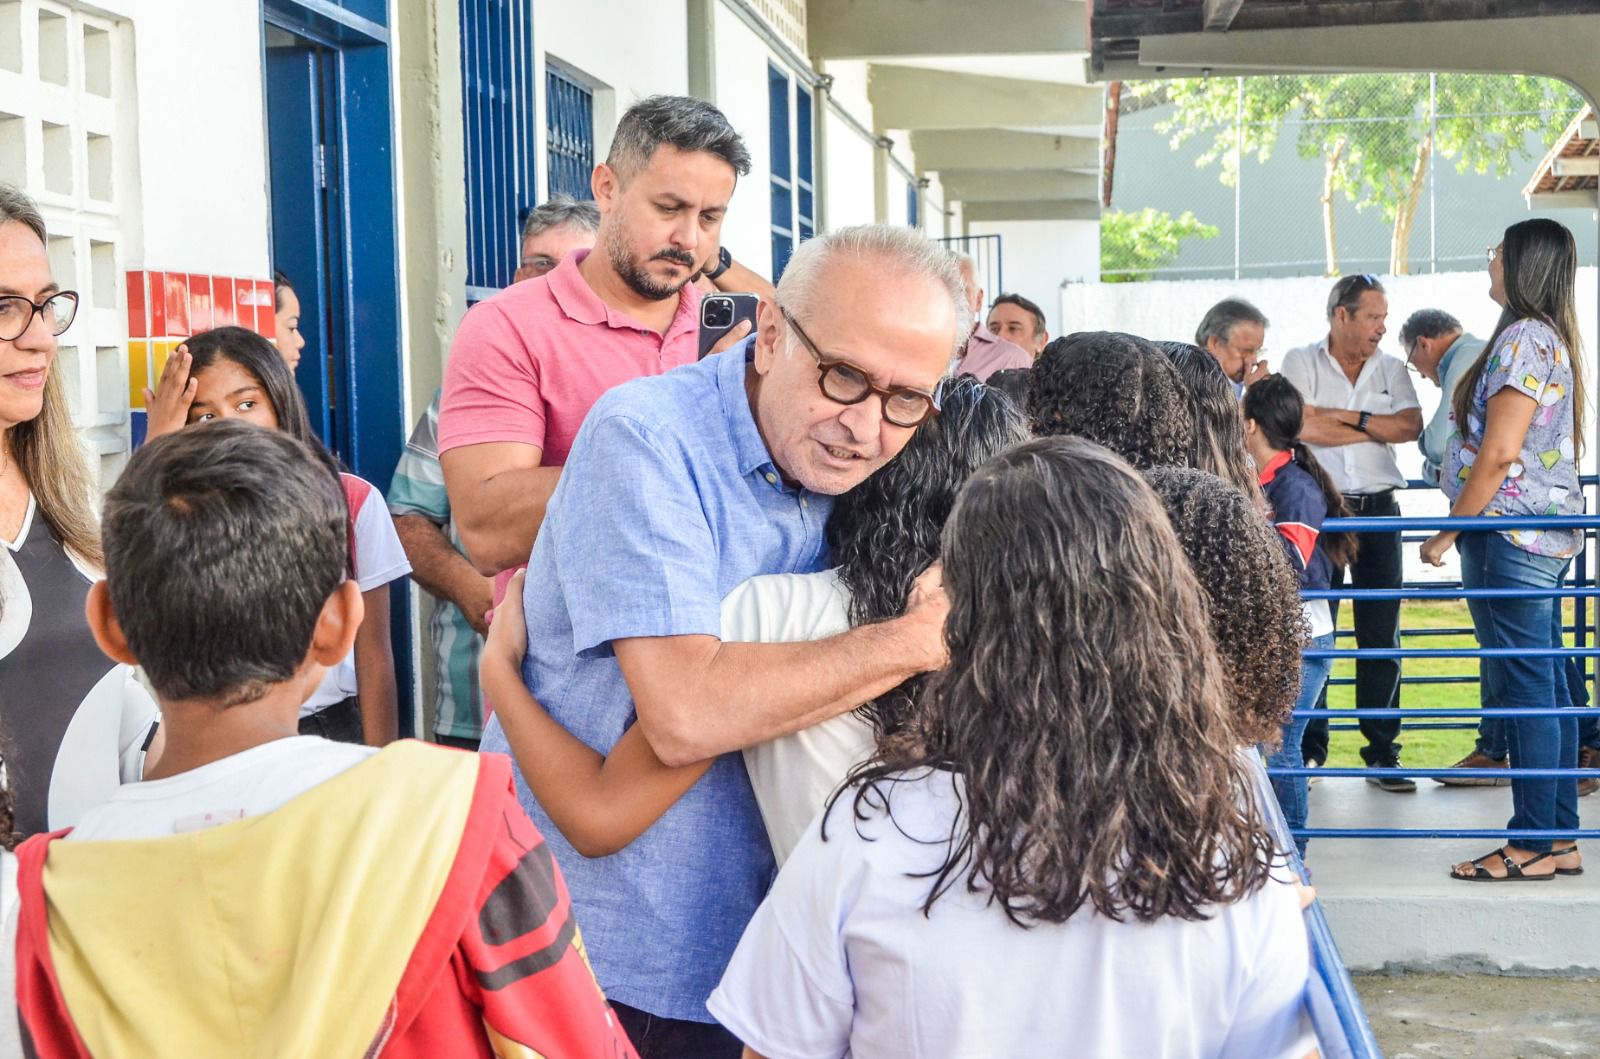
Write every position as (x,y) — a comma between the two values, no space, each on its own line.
(1361,423)
(724,259)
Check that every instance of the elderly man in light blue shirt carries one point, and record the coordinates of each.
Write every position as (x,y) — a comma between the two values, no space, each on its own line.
(678,488)
(1441,352)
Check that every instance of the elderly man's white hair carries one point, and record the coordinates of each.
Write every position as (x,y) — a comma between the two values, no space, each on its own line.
(891,248)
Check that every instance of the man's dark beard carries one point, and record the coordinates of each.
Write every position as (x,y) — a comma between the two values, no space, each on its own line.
(635,276)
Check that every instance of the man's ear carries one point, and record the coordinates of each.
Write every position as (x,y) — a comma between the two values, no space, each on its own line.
(105,627)
(337,625)
(767,321)
(605,185)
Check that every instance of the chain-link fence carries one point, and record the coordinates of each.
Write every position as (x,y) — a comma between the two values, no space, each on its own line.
(1306,175)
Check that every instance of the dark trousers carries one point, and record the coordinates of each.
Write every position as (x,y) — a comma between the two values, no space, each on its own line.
(1489,560)
(1378,565)
(657,1038)
(340,722)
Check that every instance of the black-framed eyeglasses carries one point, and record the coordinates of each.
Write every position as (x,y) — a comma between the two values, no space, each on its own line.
(17,313)
(844,383)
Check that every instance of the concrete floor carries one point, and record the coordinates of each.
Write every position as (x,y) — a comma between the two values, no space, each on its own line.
(1427,1016)
(1392,905)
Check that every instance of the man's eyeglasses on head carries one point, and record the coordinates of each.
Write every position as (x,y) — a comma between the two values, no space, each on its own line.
(17,313)
(846,384)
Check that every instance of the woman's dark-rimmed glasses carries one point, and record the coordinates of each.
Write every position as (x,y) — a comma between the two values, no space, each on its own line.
(846,384)
(17,313)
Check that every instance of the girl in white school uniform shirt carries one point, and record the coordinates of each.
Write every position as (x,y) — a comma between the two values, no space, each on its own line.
(231,372)
(1043,876)
(881,536)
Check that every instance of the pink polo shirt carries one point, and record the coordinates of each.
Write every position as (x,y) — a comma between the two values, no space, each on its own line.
(528,364)
(988,353)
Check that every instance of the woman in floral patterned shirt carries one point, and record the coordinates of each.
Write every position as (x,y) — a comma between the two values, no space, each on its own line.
(1519,429)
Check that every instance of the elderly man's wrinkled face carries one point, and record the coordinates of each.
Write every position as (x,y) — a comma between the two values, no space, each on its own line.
(1239,352)
(896,329)
(1363,326)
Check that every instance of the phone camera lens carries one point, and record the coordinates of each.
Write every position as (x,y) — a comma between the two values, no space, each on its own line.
(719,313)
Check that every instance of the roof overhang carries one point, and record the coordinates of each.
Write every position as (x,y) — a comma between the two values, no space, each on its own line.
(1569,175)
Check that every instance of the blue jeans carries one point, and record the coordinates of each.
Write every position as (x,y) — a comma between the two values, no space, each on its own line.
(1492,730)
(1291,790)
(1489,560)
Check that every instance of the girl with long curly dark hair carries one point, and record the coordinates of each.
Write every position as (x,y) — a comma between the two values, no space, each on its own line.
(1044,875)
(1252,596)
(1114,389)
(1301,496)
(1218,446)
(883,534)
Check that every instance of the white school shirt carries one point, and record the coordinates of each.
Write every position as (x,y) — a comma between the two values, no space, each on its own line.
(793,776)
(378,559)
(1383,388)
(841,961)
(245,784)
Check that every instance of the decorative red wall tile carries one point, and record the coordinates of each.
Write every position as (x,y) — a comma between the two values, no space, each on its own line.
(222,304)
(138,312)
(199,304)
(266,318)
(157,302)
(177,299)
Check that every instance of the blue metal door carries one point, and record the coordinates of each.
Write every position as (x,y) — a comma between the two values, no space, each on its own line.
(330,125)
(302,81)
(497,101)
(569,119)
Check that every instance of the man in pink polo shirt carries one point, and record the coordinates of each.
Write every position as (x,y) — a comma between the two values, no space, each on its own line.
(528,363)
(986,352)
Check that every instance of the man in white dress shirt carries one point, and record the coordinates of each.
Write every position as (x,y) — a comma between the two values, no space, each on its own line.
(1359,404)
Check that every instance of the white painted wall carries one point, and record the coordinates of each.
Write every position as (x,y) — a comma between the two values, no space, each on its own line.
(1038,256)
(202,163)
(622,49)
(849,189)
(741,93)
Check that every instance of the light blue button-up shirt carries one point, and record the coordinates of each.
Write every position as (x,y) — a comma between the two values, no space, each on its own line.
(668,500)
(1436,435)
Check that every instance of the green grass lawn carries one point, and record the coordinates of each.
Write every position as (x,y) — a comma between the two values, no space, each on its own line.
(1424,749)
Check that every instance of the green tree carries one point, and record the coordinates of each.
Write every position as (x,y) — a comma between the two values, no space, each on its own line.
(1376,134)
(1134,245)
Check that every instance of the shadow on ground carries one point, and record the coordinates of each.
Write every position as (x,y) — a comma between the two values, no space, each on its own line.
(1478,1016)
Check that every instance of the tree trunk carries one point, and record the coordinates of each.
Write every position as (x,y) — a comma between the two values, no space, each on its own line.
(1405,217)
(1330,175)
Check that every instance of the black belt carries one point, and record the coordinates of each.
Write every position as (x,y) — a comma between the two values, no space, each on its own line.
(1360,503)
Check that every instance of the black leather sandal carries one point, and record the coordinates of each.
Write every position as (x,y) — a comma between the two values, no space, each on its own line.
(1514,872)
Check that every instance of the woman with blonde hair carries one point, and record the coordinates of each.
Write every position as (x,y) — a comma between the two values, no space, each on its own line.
(78,725)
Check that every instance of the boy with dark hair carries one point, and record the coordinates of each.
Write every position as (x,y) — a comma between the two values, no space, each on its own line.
(284,894)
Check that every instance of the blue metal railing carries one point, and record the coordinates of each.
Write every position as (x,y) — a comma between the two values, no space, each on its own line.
(1580,591)
(1331,999)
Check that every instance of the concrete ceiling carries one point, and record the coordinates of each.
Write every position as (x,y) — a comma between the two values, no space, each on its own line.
(994,96)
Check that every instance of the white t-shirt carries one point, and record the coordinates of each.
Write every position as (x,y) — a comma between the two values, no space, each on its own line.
(378,559)
(839,960)
(794,775)
(248,783)
(1383,387)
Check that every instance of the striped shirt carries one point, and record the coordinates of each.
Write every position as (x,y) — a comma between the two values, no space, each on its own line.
(418,489)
